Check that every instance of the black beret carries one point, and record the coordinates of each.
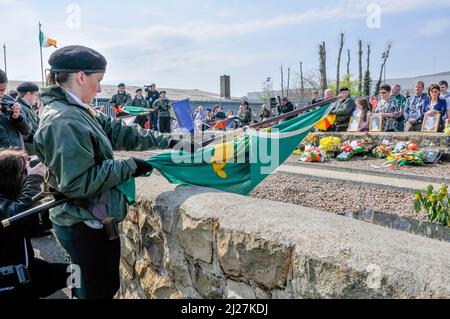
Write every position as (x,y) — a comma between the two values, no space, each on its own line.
(138,90)
(163,92)
(121,84)
(76,58)
(344,89)
(25,87)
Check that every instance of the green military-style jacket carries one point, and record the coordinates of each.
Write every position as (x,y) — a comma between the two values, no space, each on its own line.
(343,110)
(120,99)
(33,120)
(143,103)
(77,147)
(163,107)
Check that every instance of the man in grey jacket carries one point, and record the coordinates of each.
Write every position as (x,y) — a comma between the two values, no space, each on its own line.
(414,108)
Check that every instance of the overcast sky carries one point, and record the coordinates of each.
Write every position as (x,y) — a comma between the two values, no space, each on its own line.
(189,44)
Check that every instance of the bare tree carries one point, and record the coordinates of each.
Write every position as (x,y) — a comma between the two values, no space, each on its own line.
(341,46)
(302,82)
(288,82)
(282,81)
(348,63)
(323,68)
(360,77)
(384,56)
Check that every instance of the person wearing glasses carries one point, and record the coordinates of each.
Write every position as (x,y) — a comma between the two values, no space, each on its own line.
(414,108)
(388,108)
(436,104)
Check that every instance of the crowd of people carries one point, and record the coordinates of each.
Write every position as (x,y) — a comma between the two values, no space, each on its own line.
(158,106)
(72,146)
(399,112)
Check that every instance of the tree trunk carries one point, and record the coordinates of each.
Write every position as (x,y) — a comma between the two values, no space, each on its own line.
(360,77)
(323,67)
(302,82)
(288,82)
(348,63)
(385,56)
(341,46)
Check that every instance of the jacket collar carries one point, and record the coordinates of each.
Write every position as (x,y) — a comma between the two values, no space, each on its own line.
(57,93)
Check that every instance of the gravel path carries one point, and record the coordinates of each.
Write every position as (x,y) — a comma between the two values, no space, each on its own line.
(335,197)
(374,164)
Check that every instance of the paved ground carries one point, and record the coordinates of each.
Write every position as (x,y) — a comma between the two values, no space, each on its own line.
(48,248)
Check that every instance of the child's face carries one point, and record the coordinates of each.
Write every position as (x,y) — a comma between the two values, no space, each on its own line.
(359,106)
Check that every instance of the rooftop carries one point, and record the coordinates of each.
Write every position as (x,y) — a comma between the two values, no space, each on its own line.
(174,94)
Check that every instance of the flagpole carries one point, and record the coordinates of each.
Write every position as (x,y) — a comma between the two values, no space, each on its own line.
(42,60)
(4,54)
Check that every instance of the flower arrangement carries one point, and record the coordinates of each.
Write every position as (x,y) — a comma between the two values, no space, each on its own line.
(310,139)
(447,127)
(313,154)
(330,143)
(348,150)
(405,158)
(382,151)
(436,203)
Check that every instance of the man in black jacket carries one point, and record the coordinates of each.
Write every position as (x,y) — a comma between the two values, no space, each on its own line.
(13,124)
(286,107)
(152,96)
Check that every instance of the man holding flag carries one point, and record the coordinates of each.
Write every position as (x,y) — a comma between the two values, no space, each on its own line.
(120,99)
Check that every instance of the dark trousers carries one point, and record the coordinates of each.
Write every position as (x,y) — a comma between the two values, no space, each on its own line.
(153,120)
(164,125)
(46,279)
(97,257)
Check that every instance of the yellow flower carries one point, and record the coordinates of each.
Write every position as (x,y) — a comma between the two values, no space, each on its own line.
(443,190)
(418,196)
(432,198)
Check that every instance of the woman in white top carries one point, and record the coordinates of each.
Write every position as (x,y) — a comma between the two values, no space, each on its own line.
(363,110)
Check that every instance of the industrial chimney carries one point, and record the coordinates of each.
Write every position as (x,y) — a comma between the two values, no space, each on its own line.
(225,87)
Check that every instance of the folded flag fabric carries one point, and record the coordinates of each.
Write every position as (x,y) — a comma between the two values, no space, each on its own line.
(223,124)
(325,123)
(240,165)
(45,41)
(133,110)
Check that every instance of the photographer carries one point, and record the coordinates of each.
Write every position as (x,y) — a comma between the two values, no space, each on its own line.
(152,96)
(19,183)
(12,123)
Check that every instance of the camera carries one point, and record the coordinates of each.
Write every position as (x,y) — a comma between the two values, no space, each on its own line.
(7,104)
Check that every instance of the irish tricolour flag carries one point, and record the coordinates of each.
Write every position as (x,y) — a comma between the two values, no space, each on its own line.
(46,41)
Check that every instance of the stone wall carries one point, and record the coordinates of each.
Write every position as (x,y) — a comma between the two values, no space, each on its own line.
(191,242)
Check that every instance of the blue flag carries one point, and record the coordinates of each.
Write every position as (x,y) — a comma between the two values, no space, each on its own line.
(183,112)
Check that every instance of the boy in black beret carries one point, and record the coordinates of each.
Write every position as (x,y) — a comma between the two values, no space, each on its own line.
(121,99)
(28,98)
(140,101)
